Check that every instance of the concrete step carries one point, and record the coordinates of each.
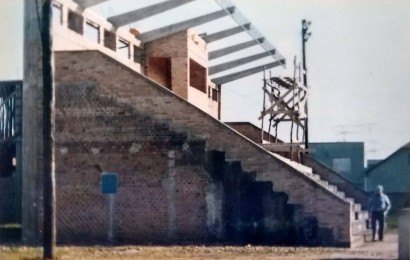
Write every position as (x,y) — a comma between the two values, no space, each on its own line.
(358,226)
(317,178)
(357,241)
(361,215)
(333,188)
(357,207)
(340,194)
(360,238)
(350,200)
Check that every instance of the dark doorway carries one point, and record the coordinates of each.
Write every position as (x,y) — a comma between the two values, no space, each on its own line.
(10,159)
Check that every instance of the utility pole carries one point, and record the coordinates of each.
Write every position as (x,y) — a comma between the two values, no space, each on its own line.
(49,196)
(305,37)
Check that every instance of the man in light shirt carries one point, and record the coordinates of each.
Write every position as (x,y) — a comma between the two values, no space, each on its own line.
(379,206)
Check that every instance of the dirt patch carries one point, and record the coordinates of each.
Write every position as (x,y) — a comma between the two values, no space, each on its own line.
(193,252)
(375,250)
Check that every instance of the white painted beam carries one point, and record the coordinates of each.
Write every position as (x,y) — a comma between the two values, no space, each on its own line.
(239,18)
(235,63)
(140,14)
(226,33)
(89,3)
(245,73)
(231,49)
(181,26)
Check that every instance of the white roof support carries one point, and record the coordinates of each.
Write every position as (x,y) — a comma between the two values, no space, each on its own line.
(225,33)
(140,14)
(235,63)
(245,73)
(239,18)
(88,3)
(231,49)
(184,25)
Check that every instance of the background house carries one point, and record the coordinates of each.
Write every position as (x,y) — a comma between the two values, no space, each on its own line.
(346,158)
(393,173)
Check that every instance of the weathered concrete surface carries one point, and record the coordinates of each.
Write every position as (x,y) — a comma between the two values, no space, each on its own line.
(404,234)
(31,134)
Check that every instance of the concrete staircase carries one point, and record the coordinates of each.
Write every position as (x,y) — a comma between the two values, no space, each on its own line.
(320,203)
(359,217)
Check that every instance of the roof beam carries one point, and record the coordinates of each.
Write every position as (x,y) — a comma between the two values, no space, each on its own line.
(231,49)
(235,63)
(245,73)
(239,18)
(184,25)
(145,12)
(226,33)
(89,3)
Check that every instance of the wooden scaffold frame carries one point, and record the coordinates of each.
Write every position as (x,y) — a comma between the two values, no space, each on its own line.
(284,101)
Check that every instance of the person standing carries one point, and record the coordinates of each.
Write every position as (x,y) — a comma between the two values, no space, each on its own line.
(379,206)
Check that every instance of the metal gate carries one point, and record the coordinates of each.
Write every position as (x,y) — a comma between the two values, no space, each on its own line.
(10,151)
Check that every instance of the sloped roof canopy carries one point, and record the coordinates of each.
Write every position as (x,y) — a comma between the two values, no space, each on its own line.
(224,55)
(370,170)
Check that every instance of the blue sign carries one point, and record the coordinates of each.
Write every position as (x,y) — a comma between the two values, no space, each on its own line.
(109,183)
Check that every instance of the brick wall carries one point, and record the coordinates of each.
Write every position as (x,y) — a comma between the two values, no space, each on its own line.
(169,191)
(174,46)
(114,80)
(161,194)
(160,71)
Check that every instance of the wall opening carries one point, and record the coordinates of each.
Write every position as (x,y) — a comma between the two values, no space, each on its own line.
(75,22)
(159,70)
(124,48)
(138,54)
(214,94)
(197,76)
(57,14)
(110,40)
(10,154)
(92,32)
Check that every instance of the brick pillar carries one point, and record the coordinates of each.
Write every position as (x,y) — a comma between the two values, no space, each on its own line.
(404,234)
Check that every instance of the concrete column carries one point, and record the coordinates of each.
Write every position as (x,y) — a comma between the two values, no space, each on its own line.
(169,185)
(31,132)
(404,234)
(64,12)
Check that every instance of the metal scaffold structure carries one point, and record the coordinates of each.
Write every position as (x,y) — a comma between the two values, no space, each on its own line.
(284,102)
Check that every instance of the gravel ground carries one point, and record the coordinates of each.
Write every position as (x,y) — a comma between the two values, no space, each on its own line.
(372,250)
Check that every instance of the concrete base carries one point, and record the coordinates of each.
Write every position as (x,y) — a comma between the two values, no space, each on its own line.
(404,234)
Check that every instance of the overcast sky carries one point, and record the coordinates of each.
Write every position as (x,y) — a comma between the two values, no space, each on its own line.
(358,65)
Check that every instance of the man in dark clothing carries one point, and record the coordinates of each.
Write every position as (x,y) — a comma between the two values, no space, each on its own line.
(379,206)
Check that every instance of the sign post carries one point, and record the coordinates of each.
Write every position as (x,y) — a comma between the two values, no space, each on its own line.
(109,184)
